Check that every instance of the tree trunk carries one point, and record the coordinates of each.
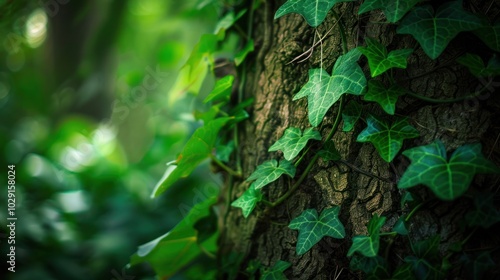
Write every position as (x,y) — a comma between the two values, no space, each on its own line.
(273,81)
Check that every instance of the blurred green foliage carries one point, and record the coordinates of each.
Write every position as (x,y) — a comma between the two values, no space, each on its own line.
(88,121)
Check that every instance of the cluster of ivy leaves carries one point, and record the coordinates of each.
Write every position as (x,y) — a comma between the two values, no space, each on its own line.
(448,177)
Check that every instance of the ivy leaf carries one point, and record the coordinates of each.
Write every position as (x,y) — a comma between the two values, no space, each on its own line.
(476,66)
(489,34)
(375,267)
(240,56)
(313,11)
(477,266)
(351,114)
(293,141)
(248,200)
(435,30)
(394,10)
(222,90)
(172,251)
(424,264)
(223,152)
(197,149)
(400,226)
(323,91)
(381,61)
(485,215)
(269,171)
(386,97)
(329,152)
(368,245)
(387,139)
(312,229)
(448,179)
(275,272)
(226,22)
(403,272)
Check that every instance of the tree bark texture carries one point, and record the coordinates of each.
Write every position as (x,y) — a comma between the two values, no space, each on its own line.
(273,82)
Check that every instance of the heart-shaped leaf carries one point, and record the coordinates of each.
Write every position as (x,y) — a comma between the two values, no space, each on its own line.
(312,229)
(351,114)
(489,34)
(400,226)
(485,214)
(248,200)
(269,171)
(293,141)
(381,61)
(476,65)
(275,272)
(394,10)
(197,149)
(448,179)
(313,11)
(175,249)
(386,97)
(435,30)
(222,90)
(368,245)
(323,91)
(387,138)
(329,152)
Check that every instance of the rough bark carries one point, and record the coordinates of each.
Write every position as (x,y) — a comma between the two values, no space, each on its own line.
(273,82)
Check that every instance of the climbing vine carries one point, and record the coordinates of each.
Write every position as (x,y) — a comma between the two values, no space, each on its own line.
(447,176)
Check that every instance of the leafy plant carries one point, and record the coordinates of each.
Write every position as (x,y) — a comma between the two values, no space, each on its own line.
(313,11)
(394,10)
(368,245)
(270,171)
(248,200)
(381,61)
(293,141)
(386,97)
(275,272)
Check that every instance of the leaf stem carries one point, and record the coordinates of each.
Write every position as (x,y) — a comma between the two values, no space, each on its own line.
(225,167)
(342,32)
(352,166)
(337,121)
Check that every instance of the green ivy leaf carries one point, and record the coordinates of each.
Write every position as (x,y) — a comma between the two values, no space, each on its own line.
(381,61)
(313,11)
(368,245)
(485,214)
(386,97)
(387,139)
(478,265)
(197,149)
(400,226)
(351,114)
(223,152)
(476,65)
(222,90)
(489,34)
(426,262)
(427,248)
(275,272)
(329,152)
(403,272)
(374,267)
(226,22)
(248,200)
(240,56)
(269,171)
(293,141)
(172,251)
(312,229)
(448,179)
(394,10)
(435,30)
(323,91)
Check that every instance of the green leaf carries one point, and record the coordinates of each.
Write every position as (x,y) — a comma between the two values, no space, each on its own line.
(226,22)
(275,272)
(403,272)
(222,90)
(293,141)
(329,152)
(351,114)
(427,248)
(223,152)
(368,245)
(394,10)
(197,149)
(387,138)
(206,226)
(435,30)
(323,91)
(386,97)
(374,267)
(312,229)
(489,34)
(175,249)
(476,65)
(313,11)
(381,61)
(240,56)
(423,269)
(269,171)
(485,214)
(427,263)
(248,200)
(400,226)
(477,266)
(448,179)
